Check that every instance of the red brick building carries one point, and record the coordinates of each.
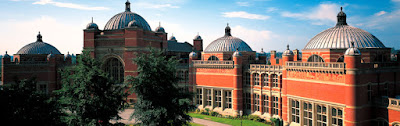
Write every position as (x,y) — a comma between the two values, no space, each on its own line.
(37,59)
(343,77)
(126,34)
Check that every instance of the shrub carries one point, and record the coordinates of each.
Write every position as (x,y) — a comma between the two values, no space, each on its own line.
(214,113)
(197,111)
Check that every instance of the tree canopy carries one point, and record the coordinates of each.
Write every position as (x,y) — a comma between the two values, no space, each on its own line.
(159,100)
(23,104)
(89,95)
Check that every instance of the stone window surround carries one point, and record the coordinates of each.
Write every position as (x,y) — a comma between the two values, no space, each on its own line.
(329,107)
(223,99)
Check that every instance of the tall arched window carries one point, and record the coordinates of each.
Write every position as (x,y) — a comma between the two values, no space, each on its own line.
(115,69)
(315,58)
(213,58)
(256,79)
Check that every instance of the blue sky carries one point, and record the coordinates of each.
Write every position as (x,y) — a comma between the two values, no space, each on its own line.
(268,24)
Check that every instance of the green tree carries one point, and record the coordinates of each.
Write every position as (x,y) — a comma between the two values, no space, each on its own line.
(159,100)
(88,94)
(23,104)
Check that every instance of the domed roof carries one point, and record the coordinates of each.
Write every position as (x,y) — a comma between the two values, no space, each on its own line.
(352,51)
(38,47)
(197,37)
(227,43)
(92,25)
(340,37)
(6,55)
(160,29)
(237,53)
(121,20)
(172,38)
(287,52)
(192,54)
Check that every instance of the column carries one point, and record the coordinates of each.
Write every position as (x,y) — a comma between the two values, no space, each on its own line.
(223,99)
(280,106)
(203,92)
(251,80)
(212,98)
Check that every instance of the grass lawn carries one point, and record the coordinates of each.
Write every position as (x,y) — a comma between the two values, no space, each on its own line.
(195,124)
(227,121)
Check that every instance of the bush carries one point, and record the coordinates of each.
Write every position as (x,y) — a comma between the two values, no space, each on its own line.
(214,113)
(197,111)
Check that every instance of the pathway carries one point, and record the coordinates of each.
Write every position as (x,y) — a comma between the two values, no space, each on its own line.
(127,113)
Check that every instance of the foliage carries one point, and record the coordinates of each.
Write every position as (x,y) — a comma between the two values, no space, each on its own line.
(159,100)
(229,120)
(88,94)
(23,104)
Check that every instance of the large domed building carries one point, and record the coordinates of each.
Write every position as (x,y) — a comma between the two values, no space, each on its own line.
(127,33)
(38,60)
(342,77)
(337,39)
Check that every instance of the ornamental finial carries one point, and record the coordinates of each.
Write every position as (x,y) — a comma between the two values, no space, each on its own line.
(287,46)
(128,6)
(39,37)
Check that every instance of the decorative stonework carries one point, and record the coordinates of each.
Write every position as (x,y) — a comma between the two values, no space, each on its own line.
(317,76)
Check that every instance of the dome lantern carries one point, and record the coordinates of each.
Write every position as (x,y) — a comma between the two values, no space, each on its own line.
(227,30)
(39,38)
(128,6)
(341,17)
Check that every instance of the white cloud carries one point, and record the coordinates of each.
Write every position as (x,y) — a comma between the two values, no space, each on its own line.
(272,9)
(256,39)
(244,4)
(323,14)
(69,5)
(64,36)
(156,6)
(380,13)
(242,14)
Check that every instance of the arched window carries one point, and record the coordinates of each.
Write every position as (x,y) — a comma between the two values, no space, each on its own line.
(213,58)
(115,69)
(315,58)
(265,79)
(256,79)
(341,59)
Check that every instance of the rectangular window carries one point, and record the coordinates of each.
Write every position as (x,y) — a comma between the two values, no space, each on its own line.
(218,97)
(307,114)
(321,116)
(228,99)
(265,79)
(199,96)
(256,102)
(295,111)
(247,97)
(246,79)
(337,117)
(209,97)
(256,79)
(275,80)
(266,103)
(275,105)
